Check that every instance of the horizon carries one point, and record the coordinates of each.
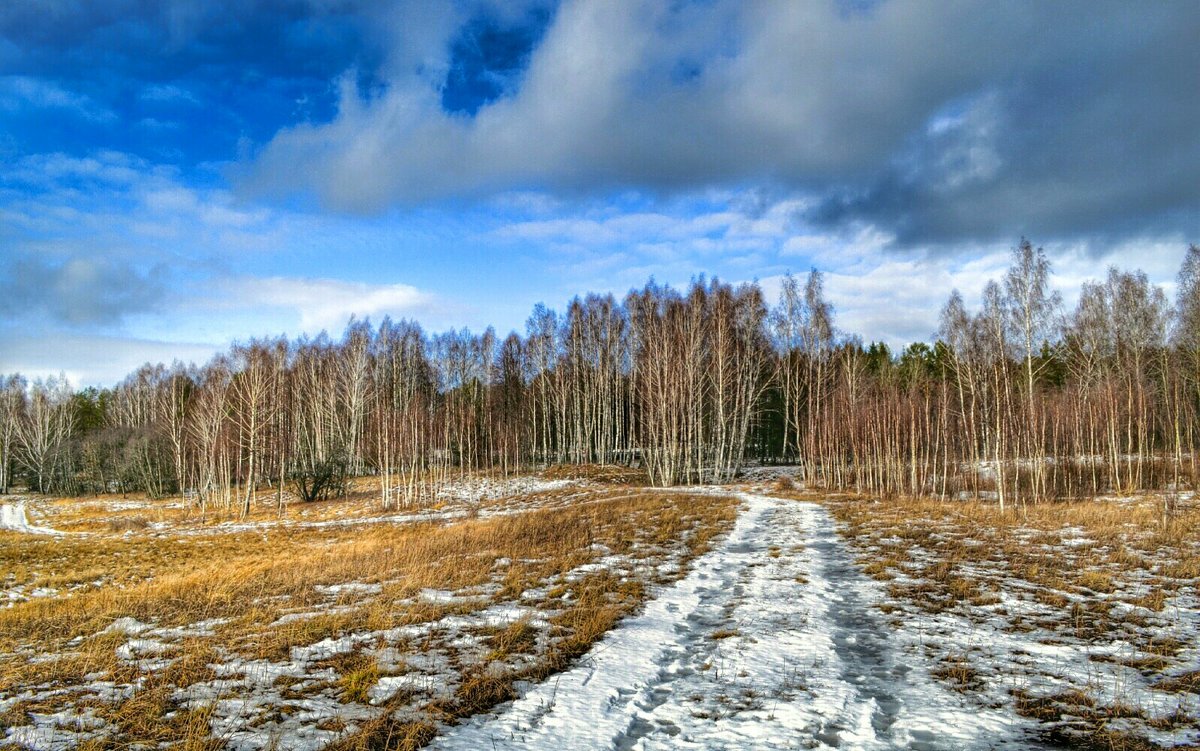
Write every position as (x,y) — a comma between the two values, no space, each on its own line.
(841,336)
(179,177)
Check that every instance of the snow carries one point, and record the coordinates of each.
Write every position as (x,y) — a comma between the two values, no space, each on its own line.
(774,639)
(389,685)
(13,518)
(1019,640)
(335,590)
(127,625)
(442,596)
(475,489)
(458,499)
(771,472)
(13,595)
(771,641)
(1042,663)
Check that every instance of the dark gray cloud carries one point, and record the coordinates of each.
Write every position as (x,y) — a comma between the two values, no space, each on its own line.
(936,121)
(81,292)
(1091,137)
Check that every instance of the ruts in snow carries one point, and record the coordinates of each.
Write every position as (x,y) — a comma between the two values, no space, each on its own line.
(771,642)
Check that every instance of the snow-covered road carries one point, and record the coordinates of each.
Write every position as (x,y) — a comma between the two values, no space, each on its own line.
(771,642)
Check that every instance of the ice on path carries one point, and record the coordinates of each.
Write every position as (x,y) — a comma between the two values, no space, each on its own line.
(12,518)
(771,642)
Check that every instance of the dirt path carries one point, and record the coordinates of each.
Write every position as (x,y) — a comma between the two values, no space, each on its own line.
(772,641)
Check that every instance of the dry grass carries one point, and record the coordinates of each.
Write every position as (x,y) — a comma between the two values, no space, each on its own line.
(605,474)
(958,672)
(1093,574)
(1083,549)
(189,586)
(518,637)
(242,583)
(1075,721)
(1188,682)
(136,512)
(387,732)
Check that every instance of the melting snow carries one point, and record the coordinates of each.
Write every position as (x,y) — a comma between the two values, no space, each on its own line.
(13,518)
(765,644)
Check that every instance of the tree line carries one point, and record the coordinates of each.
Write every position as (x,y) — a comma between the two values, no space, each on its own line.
(1018,401)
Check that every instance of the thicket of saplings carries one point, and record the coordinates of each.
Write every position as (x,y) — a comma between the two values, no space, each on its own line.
(1019,399)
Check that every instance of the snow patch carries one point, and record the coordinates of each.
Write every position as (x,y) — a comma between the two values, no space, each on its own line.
(14,519)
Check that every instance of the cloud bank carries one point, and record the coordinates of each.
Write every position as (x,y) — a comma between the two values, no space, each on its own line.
(936,122)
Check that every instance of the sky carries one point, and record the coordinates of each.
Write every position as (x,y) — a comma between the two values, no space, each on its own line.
(176,175)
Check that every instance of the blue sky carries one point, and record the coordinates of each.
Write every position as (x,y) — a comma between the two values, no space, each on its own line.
(176,175)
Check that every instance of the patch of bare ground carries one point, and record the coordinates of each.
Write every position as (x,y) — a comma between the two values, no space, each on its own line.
(351,637)
(604,474)
(1084,616)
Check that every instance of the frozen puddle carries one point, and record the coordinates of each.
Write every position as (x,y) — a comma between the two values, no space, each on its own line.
(772,642)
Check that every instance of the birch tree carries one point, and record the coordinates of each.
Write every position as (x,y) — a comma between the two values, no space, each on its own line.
(12,411)
(1033,310)
(44,428)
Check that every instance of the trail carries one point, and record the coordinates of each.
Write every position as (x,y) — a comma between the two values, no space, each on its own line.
(14,519)
(771,642)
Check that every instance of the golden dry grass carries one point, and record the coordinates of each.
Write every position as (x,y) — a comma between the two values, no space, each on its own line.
(242,582)
(134,512)
(607,474)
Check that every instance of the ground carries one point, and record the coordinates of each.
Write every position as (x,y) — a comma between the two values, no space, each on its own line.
(516,613)
(1082,616)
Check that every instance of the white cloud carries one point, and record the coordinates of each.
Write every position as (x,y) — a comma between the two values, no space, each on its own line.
(17,92)
(238,308)
(167,93)
(112,200)
(711,228)
(779,90)
(325,304)
(897,299)
(92,360)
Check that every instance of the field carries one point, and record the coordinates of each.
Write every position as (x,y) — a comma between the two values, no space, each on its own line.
(1083,616)
(512,613)
(333,624)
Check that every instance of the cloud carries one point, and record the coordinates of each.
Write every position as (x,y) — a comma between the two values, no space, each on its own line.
(705,224)
(116,204)
(620,244)
(111,243)
(79,292)
(937,123)
(20,92)
(90,359)
(320,304)
(897,298)
(488,54)
(517,151)
(168,93)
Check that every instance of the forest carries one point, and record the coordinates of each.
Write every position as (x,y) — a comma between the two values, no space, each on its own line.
(1020,401)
